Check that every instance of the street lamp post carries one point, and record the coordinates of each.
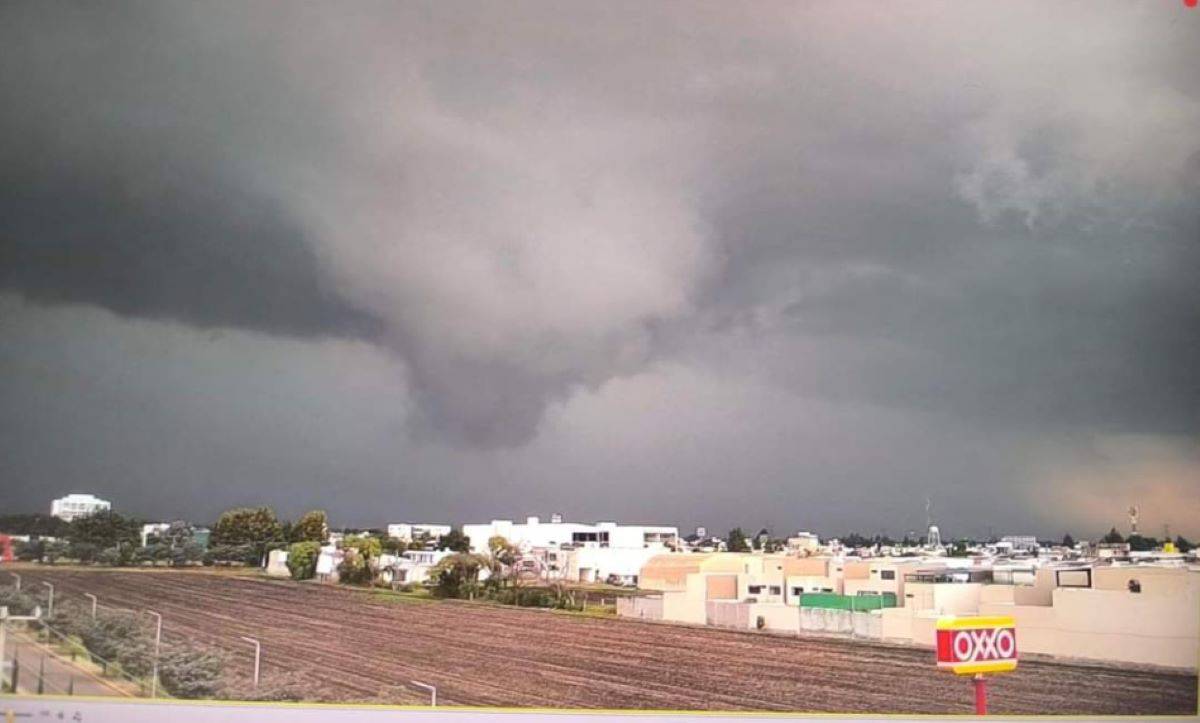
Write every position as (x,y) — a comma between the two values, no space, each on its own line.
(257,656)
(18,579)
(157,647)
(50,605)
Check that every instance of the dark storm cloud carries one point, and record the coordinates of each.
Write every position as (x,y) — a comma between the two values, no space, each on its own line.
(119,185)
(183,247)
(894,218)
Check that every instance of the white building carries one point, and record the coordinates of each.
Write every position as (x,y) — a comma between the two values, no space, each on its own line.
(410,531)
(410,566)
(1021,542)
(74,506)
(153,528)
(595,552)
(803,542)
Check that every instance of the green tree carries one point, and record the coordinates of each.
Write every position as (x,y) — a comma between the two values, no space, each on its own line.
(34,525)
(255,527)
(393,545)
(503,557)
(311,527)
(457,575)
(1184,544)
(736,542)
(83,552)
(1137,543)
(456,541)
(187,554)
(115,556)
(958,549)
(302,559)
(28,551)
(105,529)
(1068,541)
(360,559)
(53,551)
(1113,537)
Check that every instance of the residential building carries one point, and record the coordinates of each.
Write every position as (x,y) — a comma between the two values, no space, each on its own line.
(408,532)
(153,528)
(805,543)
(410,566)
(575,551)
(76,505)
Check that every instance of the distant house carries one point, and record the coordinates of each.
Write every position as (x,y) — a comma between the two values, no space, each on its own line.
(155,529)
(579,552)
(411,566)
(409,531)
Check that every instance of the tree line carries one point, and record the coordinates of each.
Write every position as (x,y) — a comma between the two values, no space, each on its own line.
(240,536)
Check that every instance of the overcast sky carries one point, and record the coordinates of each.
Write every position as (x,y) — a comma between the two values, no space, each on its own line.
(794,265)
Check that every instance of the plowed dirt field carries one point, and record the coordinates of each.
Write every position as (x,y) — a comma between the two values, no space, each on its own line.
(356,646)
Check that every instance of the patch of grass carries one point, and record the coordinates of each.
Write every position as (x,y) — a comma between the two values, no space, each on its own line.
(593,611)
(417,597)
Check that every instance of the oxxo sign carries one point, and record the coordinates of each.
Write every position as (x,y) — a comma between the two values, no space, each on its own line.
(974,645)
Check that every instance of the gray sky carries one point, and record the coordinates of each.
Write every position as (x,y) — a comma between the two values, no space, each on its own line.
(796,266)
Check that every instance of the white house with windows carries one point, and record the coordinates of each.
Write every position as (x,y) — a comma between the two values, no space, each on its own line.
(409,531)
(577,551)
(410,566)
(75,505)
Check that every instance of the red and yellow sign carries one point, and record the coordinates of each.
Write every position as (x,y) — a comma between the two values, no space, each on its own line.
(972,645)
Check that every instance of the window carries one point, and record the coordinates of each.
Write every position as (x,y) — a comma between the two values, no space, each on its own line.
(755,589)
(797,591)
(1073,578)
(887,574)
(1135,586)
(776,590)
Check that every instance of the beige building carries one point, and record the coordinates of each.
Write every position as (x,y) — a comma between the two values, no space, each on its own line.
(1138,614)
(1129,614)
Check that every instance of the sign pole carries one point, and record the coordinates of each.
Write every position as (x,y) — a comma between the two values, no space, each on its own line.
(980,694)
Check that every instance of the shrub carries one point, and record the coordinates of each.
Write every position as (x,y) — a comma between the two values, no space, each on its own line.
(114,636)
(84,552)
(186,554)
(115,556)
(302,559)
(187,671)
(28,551)
(291,686)
(232,554)
(53,551)
(17,602)
(356,569)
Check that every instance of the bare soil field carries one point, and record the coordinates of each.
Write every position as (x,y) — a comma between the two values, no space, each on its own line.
(357,646)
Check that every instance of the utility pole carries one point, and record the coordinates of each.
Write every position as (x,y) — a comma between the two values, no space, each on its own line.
(257,656)
(157,647)
(94,600)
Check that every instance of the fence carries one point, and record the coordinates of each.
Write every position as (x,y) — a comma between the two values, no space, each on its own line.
(846,622)
(728,614)
(645,608)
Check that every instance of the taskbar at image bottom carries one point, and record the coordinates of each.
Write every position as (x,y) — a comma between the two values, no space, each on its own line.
(28,709)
